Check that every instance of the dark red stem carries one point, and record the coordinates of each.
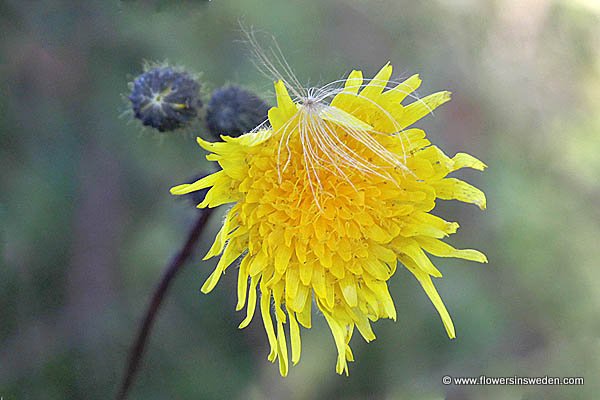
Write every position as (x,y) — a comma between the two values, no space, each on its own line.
(137,351)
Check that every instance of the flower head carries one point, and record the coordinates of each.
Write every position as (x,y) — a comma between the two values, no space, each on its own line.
(326,201)
(164,98)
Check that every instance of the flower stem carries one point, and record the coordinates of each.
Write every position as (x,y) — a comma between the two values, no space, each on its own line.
(137,350)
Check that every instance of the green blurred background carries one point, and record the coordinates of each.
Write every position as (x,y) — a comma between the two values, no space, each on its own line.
(87,221)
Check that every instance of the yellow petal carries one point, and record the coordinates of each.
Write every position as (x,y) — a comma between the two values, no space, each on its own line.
(412,249)
(441,249)
(250,139)
(222,236)
(305,317)
(284,101)
(251,304)
(298,303)
(242,286)
(282,349)
(219,195)
(353,82)
(399,93)
(258,263)
(295,339)
(452,188)
(378,83)
(265,310)
(343,119)
(231,253)
(377,268)
(292,280)
(306,272)
(319,281)
(339,339)
(425,281)
(420,108)
(464,160)
(282,258)
(422,223)
(203,183)
(364,327)
(286,109)
(330,293)
(378,234)
(345,98)
(209,146)
(349,290)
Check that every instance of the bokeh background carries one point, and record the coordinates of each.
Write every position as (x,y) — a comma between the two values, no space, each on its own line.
(87,221)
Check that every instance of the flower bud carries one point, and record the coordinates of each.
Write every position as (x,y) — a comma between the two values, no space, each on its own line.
(165,99)
(233,111)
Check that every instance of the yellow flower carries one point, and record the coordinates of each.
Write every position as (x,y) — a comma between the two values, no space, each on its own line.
(327,200)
